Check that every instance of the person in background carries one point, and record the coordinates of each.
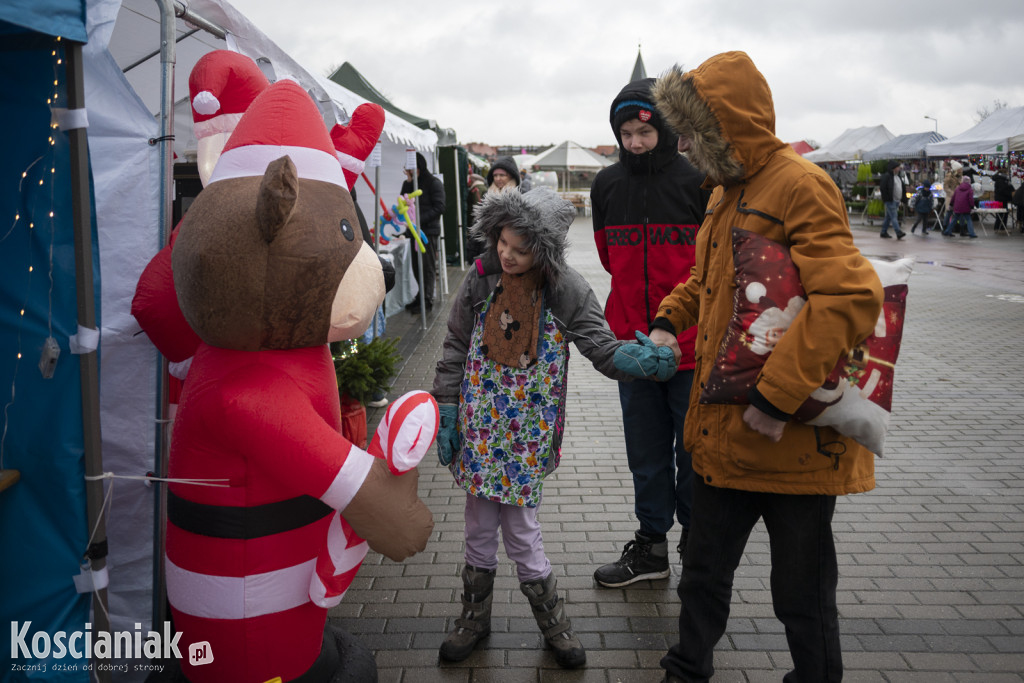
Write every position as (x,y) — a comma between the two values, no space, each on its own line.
(501,389)
(476,189)
(950,182)
(525,184)
(1018,199)
(923,203)
(750,461)
(963,205)
(428,219)
(1003,193)
(647,208)
(503,175)
(892,195)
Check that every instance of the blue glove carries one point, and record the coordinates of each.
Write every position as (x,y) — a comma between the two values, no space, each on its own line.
(645,360)
(448,433)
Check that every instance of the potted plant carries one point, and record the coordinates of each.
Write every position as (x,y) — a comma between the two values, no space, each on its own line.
(362,369)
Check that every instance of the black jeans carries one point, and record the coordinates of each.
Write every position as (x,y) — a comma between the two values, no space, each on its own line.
(426,283)
(804,577)
(652,419)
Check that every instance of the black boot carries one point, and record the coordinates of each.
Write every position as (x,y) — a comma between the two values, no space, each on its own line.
(642,559)
(549,611)
(475,622)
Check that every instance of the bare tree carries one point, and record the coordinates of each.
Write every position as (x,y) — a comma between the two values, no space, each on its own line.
(984,112)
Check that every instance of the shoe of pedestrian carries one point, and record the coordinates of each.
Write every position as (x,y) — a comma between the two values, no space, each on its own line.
(682,542)
(549,611)
(900,235)
(377,402)
(642,560)
(475,622)
(913,228)
(885,236)
(973,237)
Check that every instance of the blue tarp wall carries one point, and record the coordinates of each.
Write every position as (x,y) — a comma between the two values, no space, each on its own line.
(43,527)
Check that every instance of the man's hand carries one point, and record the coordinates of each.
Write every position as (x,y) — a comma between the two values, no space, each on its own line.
(762,423)
(664,338)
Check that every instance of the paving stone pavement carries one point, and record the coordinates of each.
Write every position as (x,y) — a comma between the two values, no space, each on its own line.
(931,562)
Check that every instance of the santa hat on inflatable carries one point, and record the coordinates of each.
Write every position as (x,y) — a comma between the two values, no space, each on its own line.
(355,141)
(283,120)
(221,86)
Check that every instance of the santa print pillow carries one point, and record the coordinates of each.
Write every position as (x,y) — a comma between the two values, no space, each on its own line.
(856,398)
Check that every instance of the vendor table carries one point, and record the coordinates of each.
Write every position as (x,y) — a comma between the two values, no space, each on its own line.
(406,288)
(982,214)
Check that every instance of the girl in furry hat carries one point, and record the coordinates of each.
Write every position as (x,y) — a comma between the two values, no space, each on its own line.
(501,386)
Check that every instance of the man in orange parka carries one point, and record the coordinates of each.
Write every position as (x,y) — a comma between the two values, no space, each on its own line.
(750,461)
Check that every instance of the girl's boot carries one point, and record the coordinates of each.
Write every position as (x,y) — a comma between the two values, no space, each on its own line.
(475,623)
(549,611)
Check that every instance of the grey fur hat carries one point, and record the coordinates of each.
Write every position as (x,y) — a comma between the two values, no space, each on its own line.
(540,216)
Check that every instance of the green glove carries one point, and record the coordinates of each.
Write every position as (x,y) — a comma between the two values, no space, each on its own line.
(448,433)
(645,360)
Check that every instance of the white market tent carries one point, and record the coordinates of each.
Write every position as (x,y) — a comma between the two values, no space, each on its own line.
(851,145)
(909,146)
(992,136)
(135,38)
(569,157)
(524,160)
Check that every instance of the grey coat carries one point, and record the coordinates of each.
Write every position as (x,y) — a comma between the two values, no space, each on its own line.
(573,305)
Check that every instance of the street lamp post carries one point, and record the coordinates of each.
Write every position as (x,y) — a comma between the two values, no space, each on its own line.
(935,120)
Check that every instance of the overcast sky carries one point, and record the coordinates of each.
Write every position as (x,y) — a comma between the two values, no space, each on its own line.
(539,72)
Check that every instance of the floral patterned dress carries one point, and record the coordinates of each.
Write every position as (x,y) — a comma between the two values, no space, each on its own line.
(511,419)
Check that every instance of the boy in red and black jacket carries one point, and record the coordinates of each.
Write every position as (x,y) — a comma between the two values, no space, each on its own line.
(647,209)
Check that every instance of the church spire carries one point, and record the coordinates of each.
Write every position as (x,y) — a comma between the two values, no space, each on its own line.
(639,72)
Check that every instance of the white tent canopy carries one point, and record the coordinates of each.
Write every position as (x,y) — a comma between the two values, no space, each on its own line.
(909,146)
(524,160)
(851,145)
(134,44)
(992,136)
(570,156)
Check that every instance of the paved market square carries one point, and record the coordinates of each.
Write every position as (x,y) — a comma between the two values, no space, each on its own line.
(931,562)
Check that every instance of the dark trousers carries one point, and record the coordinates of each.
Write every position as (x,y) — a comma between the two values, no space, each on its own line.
(426,282)
(653,414)
(804,577)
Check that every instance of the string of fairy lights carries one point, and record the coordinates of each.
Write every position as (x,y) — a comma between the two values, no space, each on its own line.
(32,223)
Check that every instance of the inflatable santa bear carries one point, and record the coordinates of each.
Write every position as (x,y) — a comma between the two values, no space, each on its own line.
(268,268)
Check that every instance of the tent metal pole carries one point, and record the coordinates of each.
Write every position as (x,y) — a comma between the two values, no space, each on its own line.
(376,238)
(88,362)
(182,10)
(165,142)
(419,255)
(441,271)
(458,212)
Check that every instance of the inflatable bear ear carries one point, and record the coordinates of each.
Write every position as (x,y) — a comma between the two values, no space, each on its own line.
(276,200)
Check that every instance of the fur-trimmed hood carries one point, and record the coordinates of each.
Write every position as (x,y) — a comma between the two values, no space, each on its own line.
(540,216)
(725,108)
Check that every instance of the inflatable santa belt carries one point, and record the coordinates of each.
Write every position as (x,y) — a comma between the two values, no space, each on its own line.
(224,521)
